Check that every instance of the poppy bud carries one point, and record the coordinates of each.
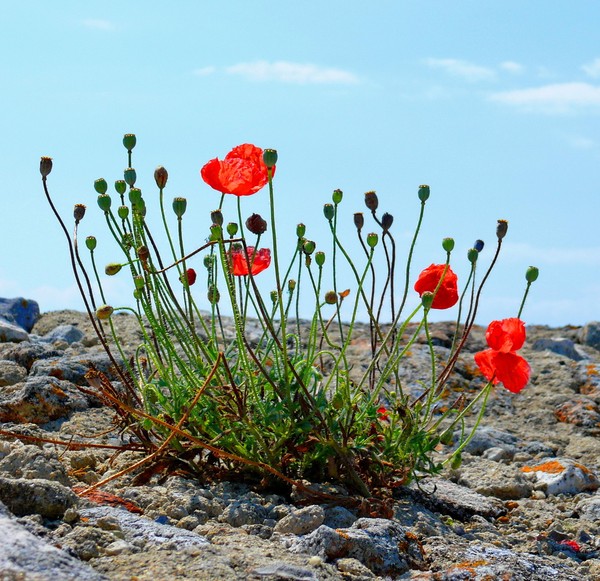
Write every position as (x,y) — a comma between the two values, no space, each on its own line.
(104,312)
(78,212)
(472,255)
(100,186)
(532,274)
(300,230)
(217,217)
(424,193)
(371,201)
(501,229)
(456,462)
(120,187)
(104,202)
(209,260)
(112,268)
(256,224)
(447,437)
(90,242)
(179,206)
(232,229)
(427,300)
(213,294)
(139,281)
(135,195)
(320,258)
(479,244)
(161,175)
(291,285)
(359,220)
(123,212)
(372,239)
(216,232)
(337,196)
(330,298)
(448,244)
(45,166)
(328,212)
(309,247)
(274,297)
(129,141)
(130,176)
(386,221)
(189,275)
(143,253)
(270,157)
(138,294)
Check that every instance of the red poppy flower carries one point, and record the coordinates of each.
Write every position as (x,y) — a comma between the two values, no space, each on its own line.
(259,261)
(447,294)
(190,275)
(503,367)
(242,172)
(382,413)
(506,335)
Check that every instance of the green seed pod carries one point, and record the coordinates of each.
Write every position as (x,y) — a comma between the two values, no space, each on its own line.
(372,239)
(78,212)
(104,202)
(300,230)
(129,141)
(100,186)
(427,300)
(232,229)
(328,212)
(532,274)
(309,247)
(330,297)
(209,260)
(123,212)
(179,206)
(213,294)
(91,242)
(472,255)
(501,229)
(135,195)
(448,244)
(424,193)
(138,294)
(139,281)
(216,232)
(130,176)
(320,258)
(161,175)
(270,157)
(112,268)
(337,196)
(45,166)
(104,312)
(120,187)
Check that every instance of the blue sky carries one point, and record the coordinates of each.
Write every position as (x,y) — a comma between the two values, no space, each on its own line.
(494,104)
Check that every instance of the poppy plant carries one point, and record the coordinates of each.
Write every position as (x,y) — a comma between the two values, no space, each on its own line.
(501,363)
(189,275)
(242,172)
(259,260)
(447,293)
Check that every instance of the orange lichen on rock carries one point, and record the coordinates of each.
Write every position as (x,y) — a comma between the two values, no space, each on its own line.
(551,467)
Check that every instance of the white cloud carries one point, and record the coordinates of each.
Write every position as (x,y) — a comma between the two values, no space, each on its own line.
(592,69)
(98,24)
(295,73)
(205,71)
(460,68)
(512,67)
(554,98)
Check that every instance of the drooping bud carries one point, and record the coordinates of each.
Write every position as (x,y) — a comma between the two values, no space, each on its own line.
(309,247)
(45,166)
(424,193)
(300,230)
(143,253)
(371,201)
(501,229)
(232,229)
(479,244)
(120,187)
(213,294)
(472,255)
(135,195)
(100,186)
(112,268)
(337,196)
(104,202)
(256,224)
(359,221)
(270,157)
(386,221)
(456,462)
(328,212)
(372,239)
(129,141)
(427,300)
(139,281)
(217,217)
(331,297)
(161,175)
(91,242)
(188,276)
(179,206)
(78,212)
(129,176)
(320,258)
(448,244)
(104,312)
(532,274)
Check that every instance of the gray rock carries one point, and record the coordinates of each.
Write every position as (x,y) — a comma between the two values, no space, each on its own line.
(487,437)
(67,333)
(301,521)
(36,496)
(20,311)
(563,476)
(11,373)
(34,462)
(560,346)
(11,333)
(339,517)
(243,512)
(590,334)
(283,571)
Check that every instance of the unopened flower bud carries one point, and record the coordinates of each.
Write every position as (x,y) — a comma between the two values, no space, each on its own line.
(386,221)
(91,242)
(320,258)
(232,229)
(328,212)
(456,462)
(424,193)
(448,244)
(274,297)
(104,202)
(129,141)
(112,268)
(472,255)
(270,157)
(213,294)
(188,276)
(123,212)
(217,217)
(256,224)
(447,437)
(130,176)
(359,221)
(532,274)
(45,166)
(291,285)
(138,294)
(300,230)
(371,201)
(479,244)
(161,175)
(135,195)
(330,297)
(209,261)
(143,253)
(179,206)
(501,229)
(309,247)
(337,196)
(372,239)
(427,300)
(100,186)
(78,212)
(139,281)
(216,232)
(104,312)
(120,187)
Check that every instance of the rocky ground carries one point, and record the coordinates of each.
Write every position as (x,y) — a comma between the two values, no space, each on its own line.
(524,504)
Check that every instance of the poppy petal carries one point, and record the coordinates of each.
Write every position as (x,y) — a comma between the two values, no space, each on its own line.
(447,294)
(506,335)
